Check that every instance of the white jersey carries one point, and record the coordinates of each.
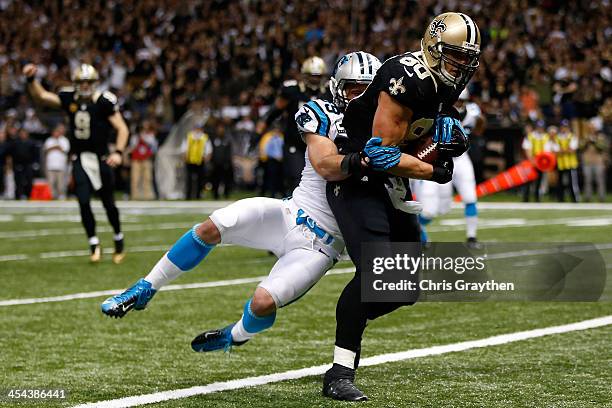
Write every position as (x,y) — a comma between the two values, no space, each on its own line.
(325,119)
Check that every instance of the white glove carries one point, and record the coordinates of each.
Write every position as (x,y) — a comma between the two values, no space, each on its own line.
(397,192)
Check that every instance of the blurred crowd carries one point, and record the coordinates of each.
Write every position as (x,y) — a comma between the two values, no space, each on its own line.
(542,60)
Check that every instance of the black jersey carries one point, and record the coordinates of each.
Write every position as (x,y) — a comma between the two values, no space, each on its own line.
(406,79)
(89,127)
(297,95)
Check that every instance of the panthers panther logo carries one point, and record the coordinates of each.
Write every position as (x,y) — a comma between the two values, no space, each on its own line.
(303,118)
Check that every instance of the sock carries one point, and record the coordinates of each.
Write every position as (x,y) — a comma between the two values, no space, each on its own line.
(424,221)
(93,241)
(250,324)
(344,357)
(163,272)
(118,237)
(239,333)
(189,251)
(471,220)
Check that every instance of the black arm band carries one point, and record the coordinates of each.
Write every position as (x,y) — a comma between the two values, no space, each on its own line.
(351,164)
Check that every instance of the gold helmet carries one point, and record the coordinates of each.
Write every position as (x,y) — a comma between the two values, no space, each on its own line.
(84,77)
(314,73)
(451,47)
(314,66)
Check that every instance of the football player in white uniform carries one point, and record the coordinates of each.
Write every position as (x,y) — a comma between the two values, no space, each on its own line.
(301,231)
(437,198)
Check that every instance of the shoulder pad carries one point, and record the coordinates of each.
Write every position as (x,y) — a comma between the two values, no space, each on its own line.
(317,116)
(290,82)
(407,80)
(110,97)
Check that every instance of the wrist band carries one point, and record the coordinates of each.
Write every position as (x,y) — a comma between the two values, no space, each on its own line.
(30,79)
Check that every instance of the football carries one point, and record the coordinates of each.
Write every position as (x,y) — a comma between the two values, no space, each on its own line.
(423,148)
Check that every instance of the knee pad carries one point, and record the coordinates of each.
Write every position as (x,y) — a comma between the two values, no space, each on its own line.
(253,323)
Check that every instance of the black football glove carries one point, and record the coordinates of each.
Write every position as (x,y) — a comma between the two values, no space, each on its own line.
(442,171)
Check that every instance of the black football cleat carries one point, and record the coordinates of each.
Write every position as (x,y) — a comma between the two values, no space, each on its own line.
(472,243)
(338,385)
(343,389)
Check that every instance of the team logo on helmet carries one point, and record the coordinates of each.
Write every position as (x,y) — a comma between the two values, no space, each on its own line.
(437,27)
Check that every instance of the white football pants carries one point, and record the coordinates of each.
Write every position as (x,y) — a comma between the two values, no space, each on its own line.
(437,198)
(270,224)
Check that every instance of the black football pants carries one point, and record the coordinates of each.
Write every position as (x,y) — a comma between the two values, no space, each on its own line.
(84,190)
(364,214)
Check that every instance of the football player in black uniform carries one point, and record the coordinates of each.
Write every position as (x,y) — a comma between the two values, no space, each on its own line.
(410,94)
(93,117)
(293,94)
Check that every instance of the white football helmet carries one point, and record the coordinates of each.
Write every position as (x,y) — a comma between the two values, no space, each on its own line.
(356,68)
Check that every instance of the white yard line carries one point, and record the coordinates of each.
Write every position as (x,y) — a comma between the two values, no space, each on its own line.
(370,361)
(455,224)
(29,206)
(199,285)
(84,295)
(84,252)
(79,231)
(448,224)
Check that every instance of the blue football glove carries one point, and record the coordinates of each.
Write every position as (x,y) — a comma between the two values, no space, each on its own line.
(381,157)
(445,125)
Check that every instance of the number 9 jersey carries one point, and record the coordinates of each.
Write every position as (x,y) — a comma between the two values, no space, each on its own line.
(409,82)
(89,127)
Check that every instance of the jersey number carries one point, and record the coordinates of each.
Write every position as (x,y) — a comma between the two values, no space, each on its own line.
(332,108)
(82,121)
(419,127)
(417,67)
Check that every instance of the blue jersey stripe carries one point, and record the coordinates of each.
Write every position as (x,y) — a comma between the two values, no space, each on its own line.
(323,119)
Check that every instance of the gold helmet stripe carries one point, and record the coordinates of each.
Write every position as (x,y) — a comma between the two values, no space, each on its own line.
(471,28)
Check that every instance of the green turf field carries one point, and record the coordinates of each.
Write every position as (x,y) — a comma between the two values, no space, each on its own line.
(69,344)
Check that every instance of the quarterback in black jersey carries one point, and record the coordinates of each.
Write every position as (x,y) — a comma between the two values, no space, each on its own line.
(410,94)
(294,94)
(93,117)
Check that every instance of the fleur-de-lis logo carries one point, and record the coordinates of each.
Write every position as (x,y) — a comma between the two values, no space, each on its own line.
(336,190)
(437,27)
(397,86)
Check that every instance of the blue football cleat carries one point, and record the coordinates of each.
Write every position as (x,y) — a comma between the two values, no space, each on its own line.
(212,340)
(135,297)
